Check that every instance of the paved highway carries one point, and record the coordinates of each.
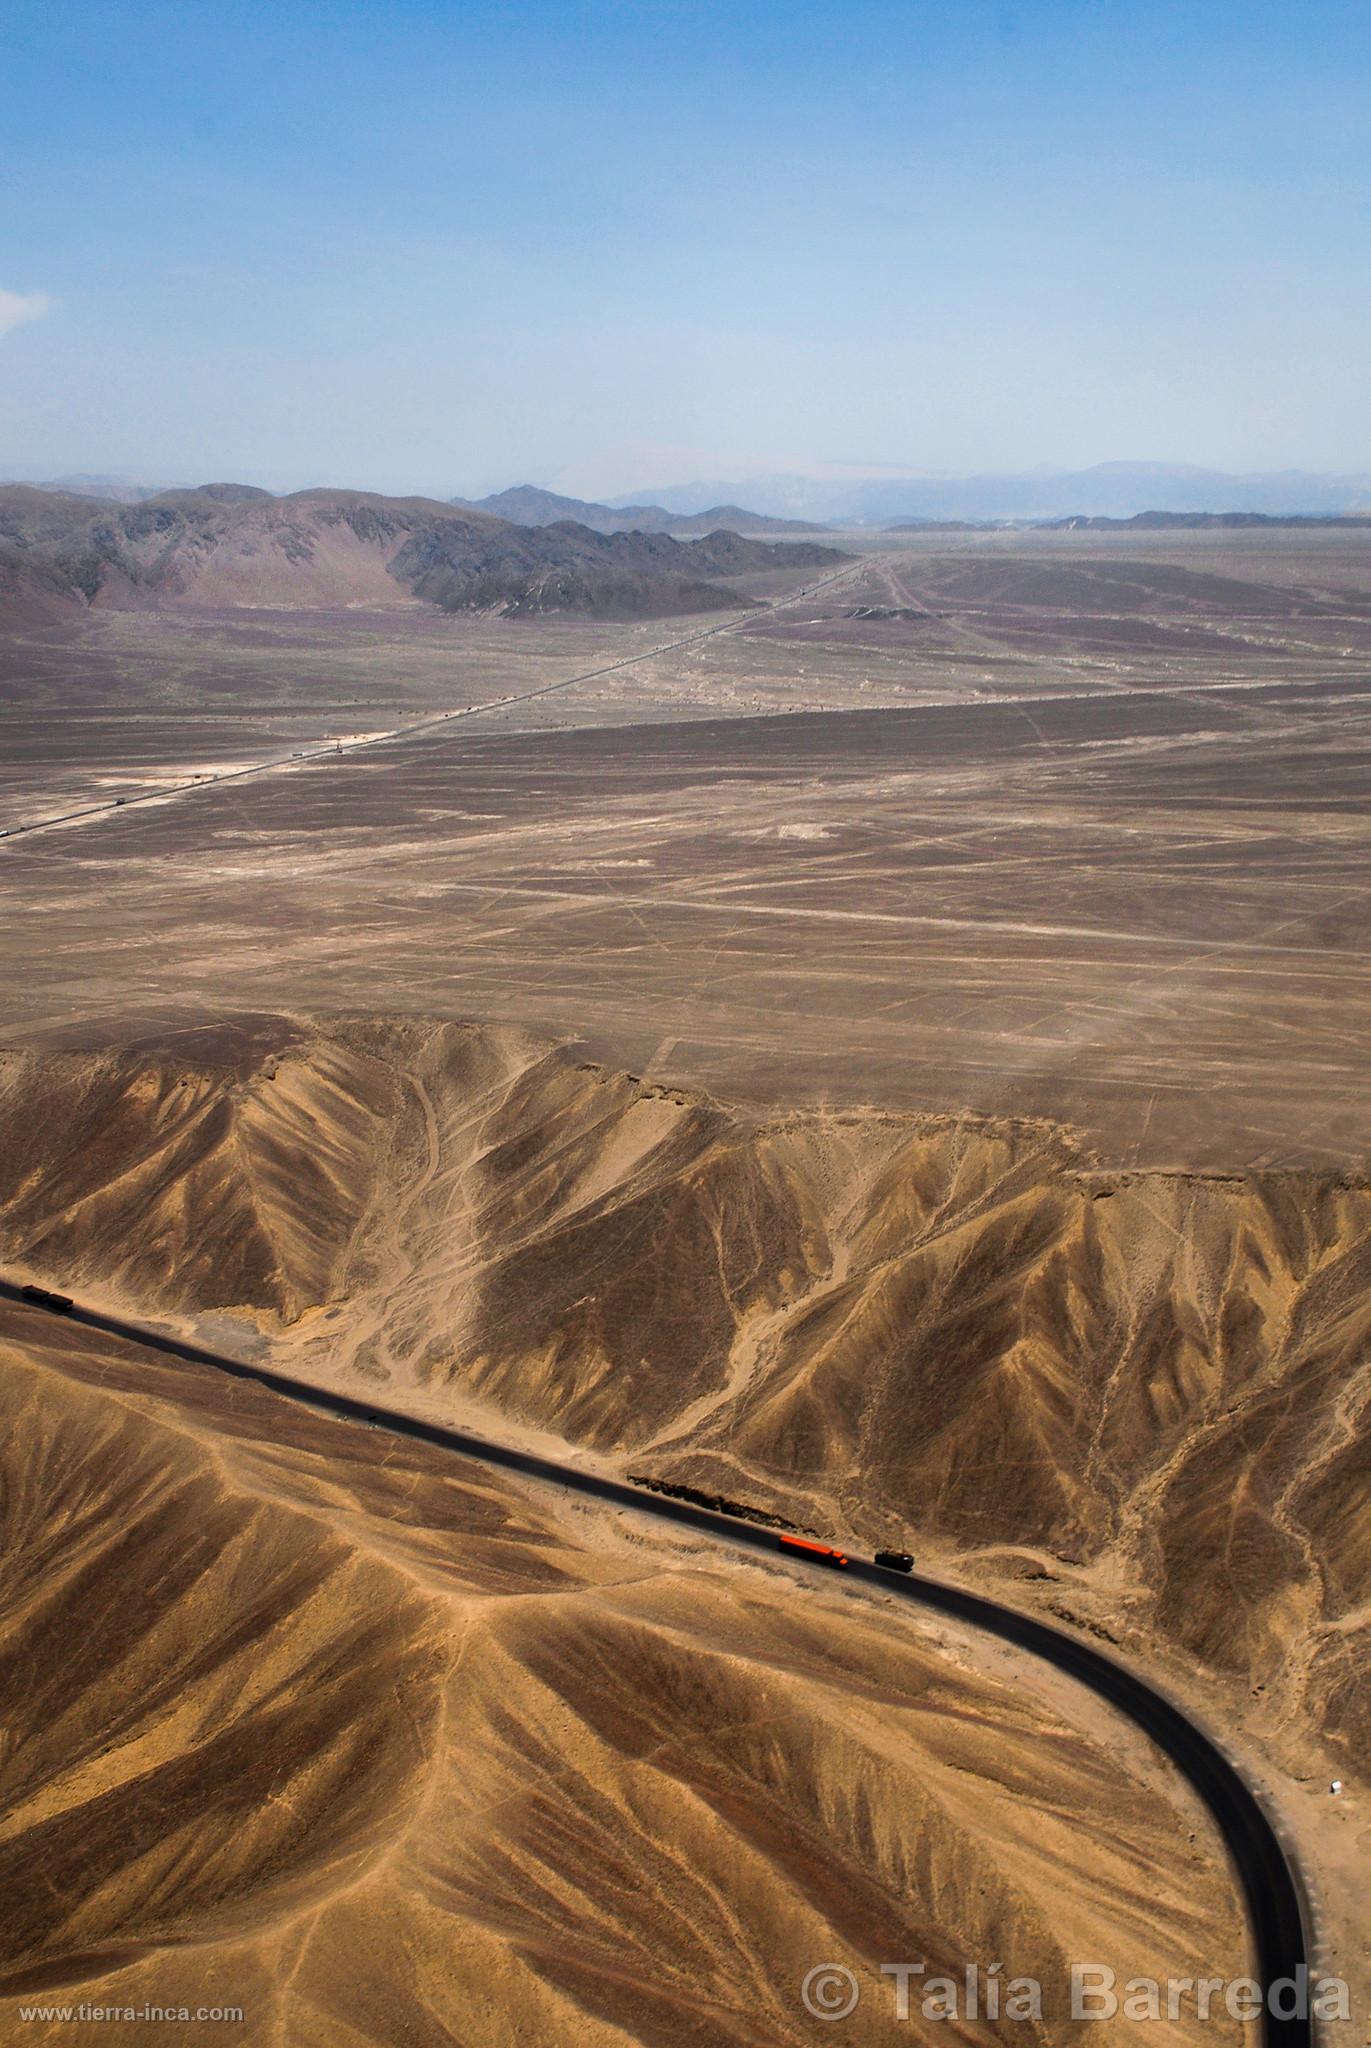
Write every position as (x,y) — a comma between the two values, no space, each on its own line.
(1270,1883)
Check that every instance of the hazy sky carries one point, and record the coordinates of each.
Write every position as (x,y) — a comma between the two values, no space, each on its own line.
(431,245)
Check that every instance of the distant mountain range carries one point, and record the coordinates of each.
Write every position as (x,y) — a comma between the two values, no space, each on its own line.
(1115,490)
(798,505)
(231,544)
(1190,522)
(119,490)
(527,505)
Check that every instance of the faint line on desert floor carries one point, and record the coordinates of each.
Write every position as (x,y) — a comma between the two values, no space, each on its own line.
(329,750)
(732,907)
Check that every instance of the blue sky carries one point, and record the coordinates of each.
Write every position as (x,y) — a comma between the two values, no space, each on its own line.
(447,246)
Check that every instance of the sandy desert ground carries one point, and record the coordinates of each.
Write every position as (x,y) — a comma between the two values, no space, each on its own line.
(1126,893)
(935,1110)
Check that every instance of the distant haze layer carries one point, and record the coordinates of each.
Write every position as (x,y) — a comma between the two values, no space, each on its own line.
(1114,489)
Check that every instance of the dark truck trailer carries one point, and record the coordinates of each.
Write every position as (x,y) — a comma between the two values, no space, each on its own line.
(43,1297)
(895,1560)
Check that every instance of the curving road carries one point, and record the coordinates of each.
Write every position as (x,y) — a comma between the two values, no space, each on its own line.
(1270,1881)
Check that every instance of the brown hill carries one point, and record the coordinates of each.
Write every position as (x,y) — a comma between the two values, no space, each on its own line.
(378,1748)
(232,545)
(1141,1390)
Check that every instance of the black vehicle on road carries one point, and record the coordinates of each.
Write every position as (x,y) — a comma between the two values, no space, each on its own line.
(43,1297)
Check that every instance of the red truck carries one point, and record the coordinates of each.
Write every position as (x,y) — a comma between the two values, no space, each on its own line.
(823,1551)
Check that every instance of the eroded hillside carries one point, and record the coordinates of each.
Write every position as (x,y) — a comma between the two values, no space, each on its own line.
(308,1722)
(231,544)
(1140,1395)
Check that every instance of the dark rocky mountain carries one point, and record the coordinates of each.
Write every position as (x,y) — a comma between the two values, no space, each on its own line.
(737,520)
(527,505)
(230,544)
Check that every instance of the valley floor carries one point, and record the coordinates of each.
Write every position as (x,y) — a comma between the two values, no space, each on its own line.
(900,1061)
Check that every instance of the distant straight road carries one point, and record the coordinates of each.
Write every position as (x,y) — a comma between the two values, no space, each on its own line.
(200,785)
(1266,1870)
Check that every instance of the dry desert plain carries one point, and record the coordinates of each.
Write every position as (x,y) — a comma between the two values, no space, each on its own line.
(898,1056)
